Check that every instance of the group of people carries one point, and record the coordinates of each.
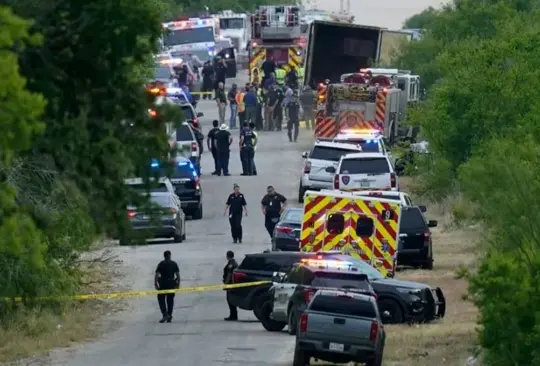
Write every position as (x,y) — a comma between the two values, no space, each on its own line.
(219,141)
(213,74)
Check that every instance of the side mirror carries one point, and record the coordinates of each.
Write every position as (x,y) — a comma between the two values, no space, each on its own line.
(330,169)
(304,155)
(278,276)
(422,208)
(200,114)
(432,223)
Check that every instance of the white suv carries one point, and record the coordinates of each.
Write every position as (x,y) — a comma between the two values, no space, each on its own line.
(369,142)
(324,155)
(365,171)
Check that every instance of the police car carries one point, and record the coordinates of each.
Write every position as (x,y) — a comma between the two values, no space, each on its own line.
(317,174)
(360,171)
(293,292)
(401,197)
(369,140)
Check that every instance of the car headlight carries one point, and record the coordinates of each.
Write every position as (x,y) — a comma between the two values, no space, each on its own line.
(226,55)
(410,291)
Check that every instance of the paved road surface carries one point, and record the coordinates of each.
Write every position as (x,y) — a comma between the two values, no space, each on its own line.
(198,335)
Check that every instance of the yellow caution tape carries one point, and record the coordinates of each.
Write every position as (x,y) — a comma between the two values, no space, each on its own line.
(123,295)
(201,93)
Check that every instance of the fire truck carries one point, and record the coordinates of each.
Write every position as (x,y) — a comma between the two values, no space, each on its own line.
(361,102)
(276,32)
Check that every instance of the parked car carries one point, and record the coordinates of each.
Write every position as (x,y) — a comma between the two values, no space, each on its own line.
(415,246)
(287,231)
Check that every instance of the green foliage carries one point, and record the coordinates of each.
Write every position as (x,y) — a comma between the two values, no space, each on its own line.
(421,20)
(480,61)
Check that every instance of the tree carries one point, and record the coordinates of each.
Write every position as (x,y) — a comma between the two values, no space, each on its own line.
(421,20)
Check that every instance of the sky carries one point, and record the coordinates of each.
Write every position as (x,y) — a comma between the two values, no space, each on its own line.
(382,13)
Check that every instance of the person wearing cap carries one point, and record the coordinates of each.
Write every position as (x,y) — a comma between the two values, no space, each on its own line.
(228,270)
(233,105)
(223,140)
(167,277)
(235,205)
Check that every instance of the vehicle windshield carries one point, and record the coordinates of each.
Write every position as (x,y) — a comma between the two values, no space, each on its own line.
(343,305)
(365,166)
(143,189)
(412,218)
(162,72)
(191,55)
(188,113)
(362,266)
(366,145)
(329,153)
(183,133)
(186,36)
(294,215)
(231,23)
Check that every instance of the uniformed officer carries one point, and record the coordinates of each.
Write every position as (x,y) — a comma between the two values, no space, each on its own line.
(228,279)
(236,203)
(272,206)
(167,278)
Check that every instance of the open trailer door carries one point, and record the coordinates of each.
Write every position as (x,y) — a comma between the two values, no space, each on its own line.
(229,55)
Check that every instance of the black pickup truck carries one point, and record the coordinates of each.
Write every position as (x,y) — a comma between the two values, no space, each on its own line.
(400,301)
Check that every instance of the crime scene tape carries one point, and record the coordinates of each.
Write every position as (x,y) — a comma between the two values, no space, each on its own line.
(201,93)
(130,294)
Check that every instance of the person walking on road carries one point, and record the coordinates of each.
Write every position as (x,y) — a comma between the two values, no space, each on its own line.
(167,277)
(211,143)
(293,112)
(246,148)
(221,100)
(236,205)
(228,279)
(233,106)
(223,147)
(272,206)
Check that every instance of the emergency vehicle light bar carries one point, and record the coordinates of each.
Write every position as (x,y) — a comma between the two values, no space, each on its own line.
(171,61)
(326,263)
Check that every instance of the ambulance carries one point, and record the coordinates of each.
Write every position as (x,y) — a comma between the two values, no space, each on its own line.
(191,37)
(365,227)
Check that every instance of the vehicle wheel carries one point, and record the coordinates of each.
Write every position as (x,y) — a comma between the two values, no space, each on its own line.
(198,214)
(183,236)
(395,314)
(301,358)
(428,265)
(377,361)
(293,320)
(258,305)
(301,192)
(270,324)
(178,238)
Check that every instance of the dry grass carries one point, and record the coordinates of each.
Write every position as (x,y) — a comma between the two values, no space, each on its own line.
(450,341)
(33,332)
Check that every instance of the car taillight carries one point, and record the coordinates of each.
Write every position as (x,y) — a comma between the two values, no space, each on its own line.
(284,229)
(194,147)
(427,235)
(308,295)
(173,211)
(307,167)
(373,331)
(393,180)
(197,182)
(336,181)
(238,277)
(302,325)
(131,214)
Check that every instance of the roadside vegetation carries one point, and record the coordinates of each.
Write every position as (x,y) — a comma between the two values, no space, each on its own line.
(479,62)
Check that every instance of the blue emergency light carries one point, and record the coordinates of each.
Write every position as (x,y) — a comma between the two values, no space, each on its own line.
(154,163)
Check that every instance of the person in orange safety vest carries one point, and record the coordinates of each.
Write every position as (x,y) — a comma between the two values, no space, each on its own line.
(241,106)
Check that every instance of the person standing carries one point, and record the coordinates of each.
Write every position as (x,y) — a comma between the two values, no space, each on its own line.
(250,100)
(211,143)
(272,206)
(278,110)
(260,104)
(241,106)
(223,146)
(236,204)
(255,142)
(208,79)
(228,279)
(246,146)
(269,105)
(233,106)
(268,67)
(293,113)
(221,100)
(221,71)
(307,99)
(167,277)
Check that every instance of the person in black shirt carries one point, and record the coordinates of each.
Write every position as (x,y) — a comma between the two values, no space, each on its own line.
(268,67)
(293,111)
(270,104)
(167,278)
(208,76)
(228,279)
(221,100)
(236,203)
(221,71)
(278,110)
(223,141)
(247,150)
(233,105)
(211,143)
(272,206)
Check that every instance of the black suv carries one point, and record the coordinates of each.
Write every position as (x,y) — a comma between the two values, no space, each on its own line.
(187,186)
(399,301)
(415,246)
(292,293)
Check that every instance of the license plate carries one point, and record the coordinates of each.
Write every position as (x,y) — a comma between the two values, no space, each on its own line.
(336,347)
(365,183)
